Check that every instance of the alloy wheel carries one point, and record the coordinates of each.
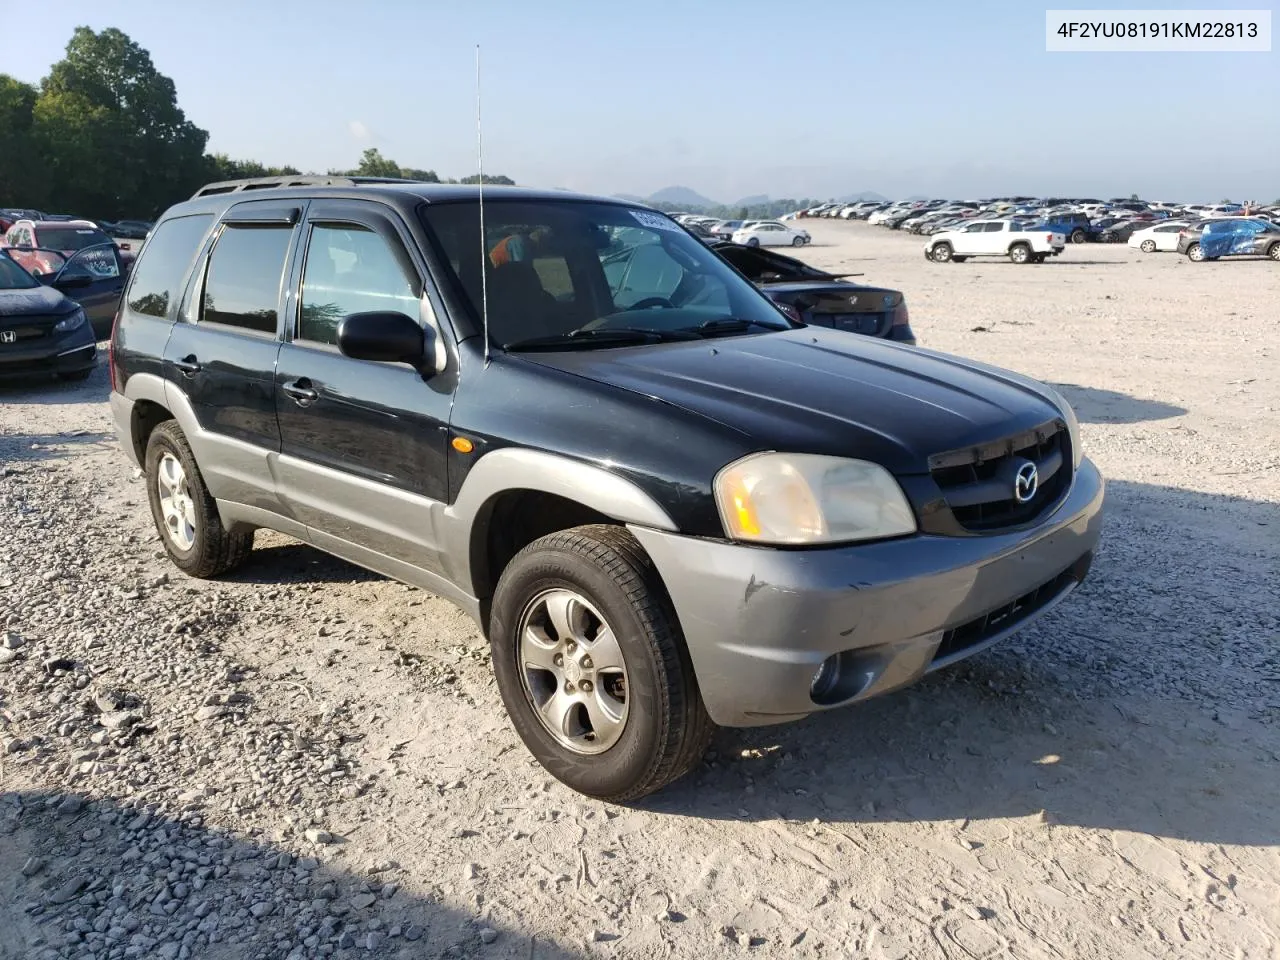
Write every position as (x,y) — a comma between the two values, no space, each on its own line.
(176,504)
(573,671)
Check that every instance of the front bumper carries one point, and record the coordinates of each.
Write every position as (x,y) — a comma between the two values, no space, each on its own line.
(72,353)
(759,622)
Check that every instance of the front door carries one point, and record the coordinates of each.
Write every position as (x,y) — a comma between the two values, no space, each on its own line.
(222,353)
(94,279)
(363,444)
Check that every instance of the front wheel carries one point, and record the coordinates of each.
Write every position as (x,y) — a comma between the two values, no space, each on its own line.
(1148,246)
(798,242)
(1195,253)
(941,252)
(1274,251)
(592,666)
(1020,253)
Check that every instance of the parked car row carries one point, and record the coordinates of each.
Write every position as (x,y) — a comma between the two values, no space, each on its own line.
(749,233)
(959,228)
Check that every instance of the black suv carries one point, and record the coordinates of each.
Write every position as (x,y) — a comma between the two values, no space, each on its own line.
(667,505)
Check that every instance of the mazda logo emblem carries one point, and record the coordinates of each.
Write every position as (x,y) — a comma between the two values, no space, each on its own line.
(1025,483)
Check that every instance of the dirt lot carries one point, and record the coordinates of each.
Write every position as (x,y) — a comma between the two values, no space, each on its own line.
(307,760)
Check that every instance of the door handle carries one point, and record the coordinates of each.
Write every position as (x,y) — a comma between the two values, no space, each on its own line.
(302,392)
(187,365)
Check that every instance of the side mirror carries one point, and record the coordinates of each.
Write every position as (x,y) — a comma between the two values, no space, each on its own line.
(384,337)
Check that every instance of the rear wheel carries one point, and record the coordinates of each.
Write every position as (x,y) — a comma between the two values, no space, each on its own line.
(592,666)
(1020,253)
(185,515)
(941,252)
(1273,251)
(1078,236)
(1195,253)
(753,242)
(1148,246)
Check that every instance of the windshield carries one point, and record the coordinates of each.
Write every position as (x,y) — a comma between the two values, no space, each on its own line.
(591,271)
(69,238)
(13,277)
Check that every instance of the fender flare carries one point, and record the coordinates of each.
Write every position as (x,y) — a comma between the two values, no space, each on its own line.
(512,469)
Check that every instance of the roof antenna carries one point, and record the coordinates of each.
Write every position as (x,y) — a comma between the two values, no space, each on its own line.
(484,247)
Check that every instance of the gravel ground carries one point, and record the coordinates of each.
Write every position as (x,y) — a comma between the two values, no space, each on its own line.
(307,760)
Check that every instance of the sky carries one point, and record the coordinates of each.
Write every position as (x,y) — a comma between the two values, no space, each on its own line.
(732,98)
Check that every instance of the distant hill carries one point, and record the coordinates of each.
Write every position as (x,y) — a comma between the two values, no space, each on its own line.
(758,200)
(866,195)
(681,196)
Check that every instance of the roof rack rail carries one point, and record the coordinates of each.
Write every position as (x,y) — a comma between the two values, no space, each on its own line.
(276,183)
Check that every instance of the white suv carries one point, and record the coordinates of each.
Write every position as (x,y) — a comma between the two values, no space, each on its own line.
(995,238)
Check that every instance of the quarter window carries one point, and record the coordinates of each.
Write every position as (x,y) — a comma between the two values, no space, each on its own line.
(350,269)
(159,272)
(242,288)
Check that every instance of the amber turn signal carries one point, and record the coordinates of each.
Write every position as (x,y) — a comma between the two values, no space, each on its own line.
(463,445)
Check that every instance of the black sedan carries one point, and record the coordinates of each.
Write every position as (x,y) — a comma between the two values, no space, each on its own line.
(43,332)
(823,299)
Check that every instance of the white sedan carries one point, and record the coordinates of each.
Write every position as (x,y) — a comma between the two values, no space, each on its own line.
(770,233)
(1162,237)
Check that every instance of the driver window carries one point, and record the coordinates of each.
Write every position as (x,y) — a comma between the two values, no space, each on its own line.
(349,269)
(95,263)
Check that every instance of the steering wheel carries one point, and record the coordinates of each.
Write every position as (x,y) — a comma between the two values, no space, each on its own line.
(649,302)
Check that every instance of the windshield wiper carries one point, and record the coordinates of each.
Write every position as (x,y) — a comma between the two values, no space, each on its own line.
(713,328)
(602,336)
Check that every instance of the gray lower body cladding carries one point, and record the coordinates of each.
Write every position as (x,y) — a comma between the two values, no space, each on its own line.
(760,622)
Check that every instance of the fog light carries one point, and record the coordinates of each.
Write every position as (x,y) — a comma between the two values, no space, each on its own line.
(825,679)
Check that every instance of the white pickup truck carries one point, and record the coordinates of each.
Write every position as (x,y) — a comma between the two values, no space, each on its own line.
(995,238)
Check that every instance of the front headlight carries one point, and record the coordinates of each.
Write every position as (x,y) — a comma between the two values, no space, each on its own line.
(72,321)
(803,498)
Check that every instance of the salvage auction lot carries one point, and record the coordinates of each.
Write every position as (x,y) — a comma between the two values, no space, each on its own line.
(1103,785)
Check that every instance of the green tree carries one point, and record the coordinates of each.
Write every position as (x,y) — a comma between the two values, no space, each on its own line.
(109,124)
(489,178)
(23,178)
(221,167)
(374,164)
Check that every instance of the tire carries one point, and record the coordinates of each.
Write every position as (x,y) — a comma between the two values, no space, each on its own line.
(663,728)
(941,252)
(1020,253)
(1273,251)
(753,241)
(1195,254)
(1148,246)
(75,375)
(196,541)
(1078,236)
(798,242)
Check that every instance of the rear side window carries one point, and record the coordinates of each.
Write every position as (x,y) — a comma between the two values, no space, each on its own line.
(242,286)
(158,274)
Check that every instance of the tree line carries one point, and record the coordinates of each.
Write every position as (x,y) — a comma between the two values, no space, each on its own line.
(103,136)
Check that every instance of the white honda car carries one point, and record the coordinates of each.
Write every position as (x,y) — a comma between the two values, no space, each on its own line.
(770,233)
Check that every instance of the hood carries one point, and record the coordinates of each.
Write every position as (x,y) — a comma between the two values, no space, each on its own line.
(37,302)
(815,390)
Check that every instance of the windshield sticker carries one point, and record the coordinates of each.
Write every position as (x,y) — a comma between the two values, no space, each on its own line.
(655,220)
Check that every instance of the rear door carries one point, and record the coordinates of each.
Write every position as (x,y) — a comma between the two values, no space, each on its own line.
(222,353)
(363,444)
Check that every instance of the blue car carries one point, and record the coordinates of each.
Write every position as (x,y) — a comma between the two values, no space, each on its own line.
(1230,237)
